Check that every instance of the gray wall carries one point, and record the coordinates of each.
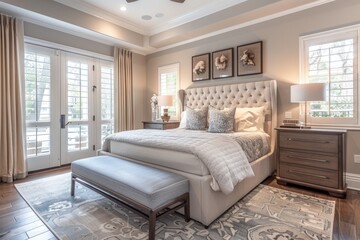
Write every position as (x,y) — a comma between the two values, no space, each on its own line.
(280,54)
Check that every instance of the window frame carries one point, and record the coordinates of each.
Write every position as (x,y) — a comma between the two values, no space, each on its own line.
(326,37)
(175,67)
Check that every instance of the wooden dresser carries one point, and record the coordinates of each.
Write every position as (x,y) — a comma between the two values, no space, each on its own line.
(313,158)
(160,125)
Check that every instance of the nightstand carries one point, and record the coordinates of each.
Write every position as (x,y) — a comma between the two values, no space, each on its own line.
(160,125)
(313,158)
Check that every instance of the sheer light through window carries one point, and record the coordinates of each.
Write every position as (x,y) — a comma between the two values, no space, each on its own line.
(332,58)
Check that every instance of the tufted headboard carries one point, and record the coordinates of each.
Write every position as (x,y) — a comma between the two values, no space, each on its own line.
(251,94)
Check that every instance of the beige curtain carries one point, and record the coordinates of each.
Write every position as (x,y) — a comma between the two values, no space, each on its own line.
(124,109)
(12,157)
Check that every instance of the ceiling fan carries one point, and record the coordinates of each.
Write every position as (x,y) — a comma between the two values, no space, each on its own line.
(178,1)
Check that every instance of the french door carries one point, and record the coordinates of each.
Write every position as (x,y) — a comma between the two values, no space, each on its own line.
(76,120)
(63,109)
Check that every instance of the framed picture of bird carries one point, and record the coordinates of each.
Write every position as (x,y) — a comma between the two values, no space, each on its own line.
(222,63)
(201,66)
(249,59)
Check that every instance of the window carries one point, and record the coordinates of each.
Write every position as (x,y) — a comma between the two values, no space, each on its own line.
(331,57)
(169,85)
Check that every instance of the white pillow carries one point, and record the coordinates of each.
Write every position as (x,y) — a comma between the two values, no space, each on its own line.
(249,119)
(183,120)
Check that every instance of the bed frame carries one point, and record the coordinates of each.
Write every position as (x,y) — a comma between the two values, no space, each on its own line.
(206,205)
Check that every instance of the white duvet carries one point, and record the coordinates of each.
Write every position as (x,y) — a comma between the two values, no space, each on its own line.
(222,154)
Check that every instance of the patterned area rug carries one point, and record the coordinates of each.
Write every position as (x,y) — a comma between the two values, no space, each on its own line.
(265,213)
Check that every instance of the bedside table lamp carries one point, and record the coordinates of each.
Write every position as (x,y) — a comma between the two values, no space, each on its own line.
(303,93)
(165,101)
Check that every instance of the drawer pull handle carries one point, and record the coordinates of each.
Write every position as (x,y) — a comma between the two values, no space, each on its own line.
(307,140)
(308,158)
(308,174)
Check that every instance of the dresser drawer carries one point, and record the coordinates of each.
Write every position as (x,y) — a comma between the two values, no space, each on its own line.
(171,125)
(161,125)
(310,159)
(309,141)
(324,178)
(153,126)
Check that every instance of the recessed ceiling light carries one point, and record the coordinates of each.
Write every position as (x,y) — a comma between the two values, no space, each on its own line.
(146,17)
(159,15)
(123,8)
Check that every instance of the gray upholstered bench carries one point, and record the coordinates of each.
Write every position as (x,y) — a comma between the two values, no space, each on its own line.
(149,191)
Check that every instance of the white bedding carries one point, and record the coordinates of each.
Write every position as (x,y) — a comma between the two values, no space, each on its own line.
(221,153)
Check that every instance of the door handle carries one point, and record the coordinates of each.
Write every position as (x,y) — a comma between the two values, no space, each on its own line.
(62,121)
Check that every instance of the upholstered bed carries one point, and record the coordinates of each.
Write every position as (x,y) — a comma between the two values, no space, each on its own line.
(205,203)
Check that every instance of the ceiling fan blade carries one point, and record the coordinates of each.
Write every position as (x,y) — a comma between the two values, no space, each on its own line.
(178,1)
(129,1)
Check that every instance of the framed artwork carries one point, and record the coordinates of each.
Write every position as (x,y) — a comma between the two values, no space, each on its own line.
(201,67)
(249,59)
(223,63)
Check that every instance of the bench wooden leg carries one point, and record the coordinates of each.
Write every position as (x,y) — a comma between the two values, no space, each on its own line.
(187,209)
(72,190)
(152,224)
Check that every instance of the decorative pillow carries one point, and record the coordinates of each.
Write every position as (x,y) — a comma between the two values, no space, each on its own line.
(221,121)
(196,118)
(249,119)
(183,120)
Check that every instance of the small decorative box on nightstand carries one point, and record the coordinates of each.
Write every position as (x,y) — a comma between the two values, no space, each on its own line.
(313,158)
(160,125)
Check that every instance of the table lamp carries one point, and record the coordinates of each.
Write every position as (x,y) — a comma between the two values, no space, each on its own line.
(303,93)
(165,101)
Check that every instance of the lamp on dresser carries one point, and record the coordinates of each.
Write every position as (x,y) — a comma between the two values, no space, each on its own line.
(165,101)
(304,93)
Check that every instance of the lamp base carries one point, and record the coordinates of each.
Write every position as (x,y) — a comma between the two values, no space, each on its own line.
(165,118)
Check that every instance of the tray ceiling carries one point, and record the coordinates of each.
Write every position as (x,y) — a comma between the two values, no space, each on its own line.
(149,26)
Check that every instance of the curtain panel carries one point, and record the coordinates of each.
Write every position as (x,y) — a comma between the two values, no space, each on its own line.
(12,153)
(124,107)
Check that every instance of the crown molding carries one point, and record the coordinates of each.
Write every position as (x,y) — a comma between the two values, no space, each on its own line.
(123,22)
(194,15)
(145,49)
(103,14)
(248,23)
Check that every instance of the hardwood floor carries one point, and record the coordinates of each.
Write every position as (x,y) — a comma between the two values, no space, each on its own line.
(18,221)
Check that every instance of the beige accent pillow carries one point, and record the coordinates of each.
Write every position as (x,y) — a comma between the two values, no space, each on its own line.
(249,119)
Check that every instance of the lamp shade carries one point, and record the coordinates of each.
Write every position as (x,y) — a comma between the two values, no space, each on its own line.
(165,100)
(308,92)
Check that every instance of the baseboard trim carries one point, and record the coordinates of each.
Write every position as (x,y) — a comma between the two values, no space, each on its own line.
(353,181)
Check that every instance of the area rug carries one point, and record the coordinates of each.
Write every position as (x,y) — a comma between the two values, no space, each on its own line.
(265,213)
